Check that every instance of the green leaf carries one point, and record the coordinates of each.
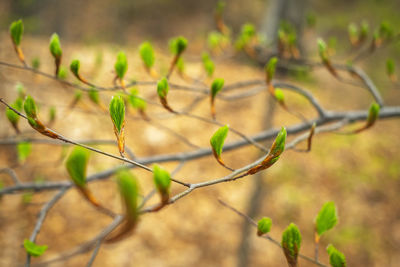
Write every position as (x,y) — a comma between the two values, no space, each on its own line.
(121,65)
(326,218)
(52,113)
(147,54)
(35,63)
(279,96)
(24,150)
(76,165)
(390,67)
(16,31)
(34,249)
(55,47)
(162,179)
(74,67)
(208,64)
(336,258)
(135,101)
(373,113)
(129,191)
(218,139)
(94,95)
(216,87)
(291,242)
(117,112)
(178,45)
(271,67)
(264,226)
(11,115)
(278,146)
(162,87)
(30,107)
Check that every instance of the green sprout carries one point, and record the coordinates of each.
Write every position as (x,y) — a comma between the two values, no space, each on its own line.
(216,87)
(270,69)
(336,258)
(373,114)
(178,45)
(162,88)
(24,150)
(74,67)
(35,63)
(218,139)
(121,65)
(208,64)
(34,249)
(326,219)
(129,191)
(322,48)
(16,31)
(162,180)
(147,54)
(55,47)
(390,67)
(135,101)
(279,96)
(291,242)
(264,226)
(30,107)
(117,112)
(76,165)
(94,95)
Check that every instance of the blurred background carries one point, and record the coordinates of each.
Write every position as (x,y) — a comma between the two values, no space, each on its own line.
(360,172)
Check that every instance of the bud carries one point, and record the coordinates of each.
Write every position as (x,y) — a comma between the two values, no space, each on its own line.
(279,96)
(322,48)
(270,69)
(208,64)
(117,113)
(216,87)
(129,191)
(336,258)
(55,47)
(121,65)
(373,114)
(162,181)
(181,44)
(135,101)
(76,165)
(147,54)
(94,95)
(16,31)
(30,107)
(217,142)
(291,242)
(264,226)
(74,67)
(24,150)
(162,88)
(390,68)
(33,249)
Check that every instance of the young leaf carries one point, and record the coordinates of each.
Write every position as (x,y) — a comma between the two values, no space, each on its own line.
(322,48)
(178,45)
(121,65)
(94,95)
(270,69)
(135,101)
(74,67)
(162,180)
(279,96)
(264,226)
(326,219)
(147,54)
(16,31)
(117,113)
(336,258)
(23,149)
(34,249)
(129,191)
(373,114)
(30,107)
(216,87)
(162,88)
(11,115)
(76,165)
(55,47)
(277,148)
(291,242)
(218,139)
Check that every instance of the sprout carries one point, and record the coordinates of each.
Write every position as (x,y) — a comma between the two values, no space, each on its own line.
(129,191)
(264,226)
(117,112)
(178,45)
(74,67)
(208,64)
(76,165)
(93,95)
(216,87)
(270,68)
(322,48)
(326,219)
(162,180)
(34,249)
(16,31)
(162,88)
(35,63)
(55,47)
(291,242)
(135,101)
(336,258)
(30,107)
(279,96)
(373,114)
(147,54)
(52,113)
(390,67)
(217,141)
(121,65)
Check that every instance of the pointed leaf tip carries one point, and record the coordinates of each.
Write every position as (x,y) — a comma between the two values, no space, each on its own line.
(218,139)
(55,47)
(326,218)
(216,87)
(16,31)
(76,165)
(117,112)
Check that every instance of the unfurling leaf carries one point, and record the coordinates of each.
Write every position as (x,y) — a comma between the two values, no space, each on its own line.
(34,249)
(270,69)
(30,107)
(208,64)
(16,31)
(217,141)
(24,150)
(326,219)
(55,47)
(129,191)
(322,49)
(94,95)
(74,67)
(279,96)
(178,45)
(135,101)
(277,148)
(216,87)
(76,165)
(373,114)
(117,113)
(12,116)
(162,88)
(121,65)
(291,242)
(147,54)
(162,180)
(264,226)
(336,258)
